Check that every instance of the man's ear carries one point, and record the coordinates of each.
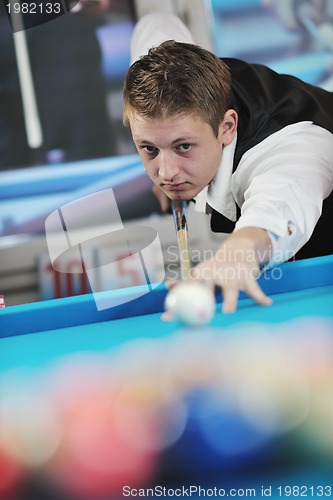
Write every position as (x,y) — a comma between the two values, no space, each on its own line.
(228,127)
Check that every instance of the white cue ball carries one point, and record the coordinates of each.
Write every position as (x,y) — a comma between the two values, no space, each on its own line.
(192,303)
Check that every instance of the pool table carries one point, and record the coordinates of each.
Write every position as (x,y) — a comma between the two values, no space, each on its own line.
(95,401)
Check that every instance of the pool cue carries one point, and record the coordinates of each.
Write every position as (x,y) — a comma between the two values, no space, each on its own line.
(30,111)
(180,219)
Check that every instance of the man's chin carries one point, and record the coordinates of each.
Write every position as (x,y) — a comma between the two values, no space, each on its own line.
(181,195)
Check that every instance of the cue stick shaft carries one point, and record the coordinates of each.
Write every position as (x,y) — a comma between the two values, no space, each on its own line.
(31,116)
(180,219)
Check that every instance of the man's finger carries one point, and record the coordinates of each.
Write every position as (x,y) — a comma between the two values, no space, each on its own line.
(254,291)
(167,316)
(230,299)
(171,283)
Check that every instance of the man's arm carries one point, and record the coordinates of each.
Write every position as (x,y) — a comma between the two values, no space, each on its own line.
(280,185)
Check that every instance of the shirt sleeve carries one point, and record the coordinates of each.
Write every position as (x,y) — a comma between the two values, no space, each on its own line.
(155,28)
(281,183)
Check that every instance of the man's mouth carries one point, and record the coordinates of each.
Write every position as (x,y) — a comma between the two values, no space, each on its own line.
(175,187)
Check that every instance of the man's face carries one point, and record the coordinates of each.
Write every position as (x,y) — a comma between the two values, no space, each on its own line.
(181,154)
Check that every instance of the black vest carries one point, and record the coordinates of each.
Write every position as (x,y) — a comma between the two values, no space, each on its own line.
(266,102)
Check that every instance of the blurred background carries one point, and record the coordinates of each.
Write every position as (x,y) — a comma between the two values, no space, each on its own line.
(247,410)
(69,140)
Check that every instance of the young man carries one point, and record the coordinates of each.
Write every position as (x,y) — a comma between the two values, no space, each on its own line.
(246,144)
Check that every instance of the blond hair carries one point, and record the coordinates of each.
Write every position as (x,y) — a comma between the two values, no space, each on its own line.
(176,78)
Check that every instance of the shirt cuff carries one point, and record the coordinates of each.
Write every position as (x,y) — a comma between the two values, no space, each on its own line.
(284,247)
(286,238)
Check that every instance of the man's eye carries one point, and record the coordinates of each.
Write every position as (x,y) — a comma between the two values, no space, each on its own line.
(150,149)
(184,147)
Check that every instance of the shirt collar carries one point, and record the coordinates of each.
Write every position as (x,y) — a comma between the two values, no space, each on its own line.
(218,193)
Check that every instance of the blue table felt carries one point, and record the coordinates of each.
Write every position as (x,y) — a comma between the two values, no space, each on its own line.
(33,335)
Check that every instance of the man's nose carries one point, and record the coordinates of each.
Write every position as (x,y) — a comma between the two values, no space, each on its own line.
(168,168)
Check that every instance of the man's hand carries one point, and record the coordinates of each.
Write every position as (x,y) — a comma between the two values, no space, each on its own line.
(236,267)
(162,198)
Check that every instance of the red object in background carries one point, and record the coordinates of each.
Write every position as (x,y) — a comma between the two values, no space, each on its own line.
(11,477)
(2,301)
